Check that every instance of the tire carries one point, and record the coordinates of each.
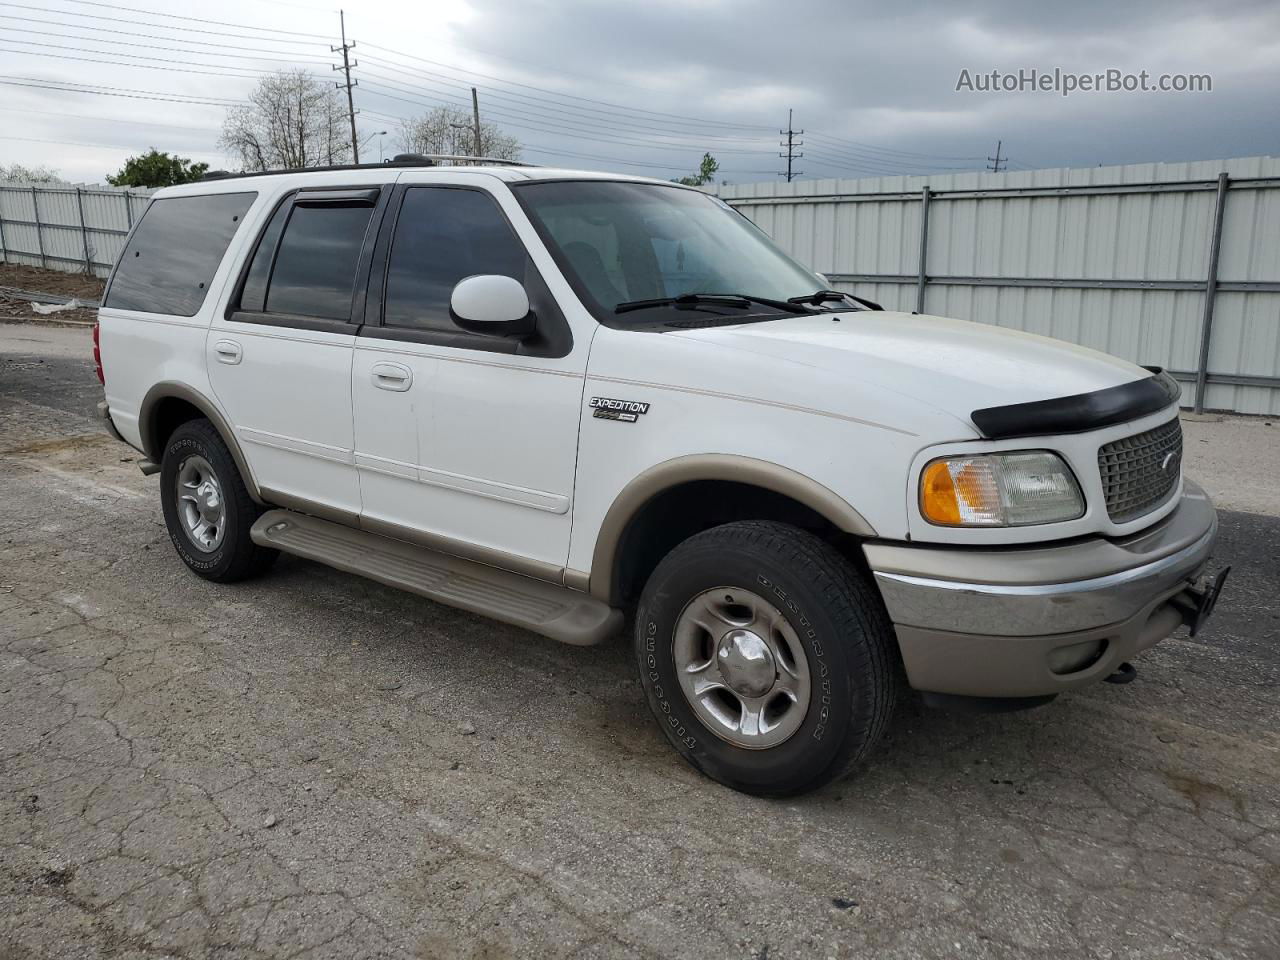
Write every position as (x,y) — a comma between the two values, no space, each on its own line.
(832,626)
(197,458)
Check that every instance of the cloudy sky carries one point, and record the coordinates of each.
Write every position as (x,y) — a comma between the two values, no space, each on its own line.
(647,87)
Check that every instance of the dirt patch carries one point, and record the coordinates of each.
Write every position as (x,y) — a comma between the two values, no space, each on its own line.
(58,282)
(55,282)
(61,445)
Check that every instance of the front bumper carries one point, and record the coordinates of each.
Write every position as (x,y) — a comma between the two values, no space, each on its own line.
(1026,622)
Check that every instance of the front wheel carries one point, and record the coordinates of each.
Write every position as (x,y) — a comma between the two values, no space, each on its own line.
(767,658)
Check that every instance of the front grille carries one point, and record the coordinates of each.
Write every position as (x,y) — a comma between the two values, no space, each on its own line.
(1141,472)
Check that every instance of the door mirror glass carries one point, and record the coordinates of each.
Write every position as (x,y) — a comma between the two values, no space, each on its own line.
(491,304)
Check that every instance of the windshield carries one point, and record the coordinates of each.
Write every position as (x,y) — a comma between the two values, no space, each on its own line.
(619,243)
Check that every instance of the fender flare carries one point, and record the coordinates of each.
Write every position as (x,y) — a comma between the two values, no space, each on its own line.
(681,470)
(169,389)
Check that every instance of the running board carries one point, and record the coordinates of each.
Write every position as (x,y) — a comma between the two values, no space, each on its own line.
(553,611)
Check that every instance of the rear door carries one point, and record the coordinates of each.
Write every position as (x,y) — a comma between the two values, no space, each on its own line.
(464,441)
(280,359)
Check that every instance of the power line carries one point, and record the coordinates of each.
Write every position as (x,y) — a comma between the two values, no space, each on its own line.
(134,33)
(598,117)
(138,123)
(149,46)
(556,126)
(880,168)
(142,66)
(570,96)
(159,26)
(868,161)
(126,92)
(558,152)
(866,147)
(521,109)
(75,143)
(177,16)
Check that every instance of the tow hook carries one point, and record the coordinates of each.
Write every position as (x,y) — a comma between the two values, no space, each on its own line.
(1125,673)
(1195,604)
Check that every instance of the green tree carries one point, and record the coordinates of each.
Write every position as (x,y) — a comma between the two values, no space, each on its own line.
(156,169)
(706,172)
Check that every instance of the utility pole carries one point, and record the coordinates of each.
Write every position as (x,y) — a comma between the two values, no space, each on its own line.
(791,144)
(475,120)
(347,64)
(997,159)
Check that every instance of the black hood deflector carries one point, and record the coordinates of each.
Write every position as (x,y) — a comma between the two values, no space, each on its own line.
(1083,411)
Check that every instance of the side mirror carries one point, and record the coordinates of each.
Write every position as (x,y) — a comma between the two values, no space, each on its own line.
(493,305)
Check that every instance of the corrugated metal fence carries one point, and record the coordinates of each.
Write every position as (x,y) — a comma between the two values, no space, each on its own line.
(65,227)
(1175,265)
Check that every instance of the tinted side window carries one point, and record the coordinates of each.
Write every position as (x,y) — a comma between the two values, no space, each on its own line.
(254,295)
(442,236)
(175,251)
(315,268)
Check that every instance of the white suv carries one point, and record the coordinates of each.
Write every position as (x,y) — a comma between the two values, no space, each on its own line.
(551,397)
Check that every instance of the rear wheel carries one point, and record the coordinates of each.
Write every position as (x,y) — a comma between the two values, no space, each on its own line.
(767,658)
(207,508)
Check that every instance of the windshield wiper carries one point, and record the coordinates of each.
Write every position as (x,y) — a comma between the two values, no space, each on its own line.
(828,296)
(742,300)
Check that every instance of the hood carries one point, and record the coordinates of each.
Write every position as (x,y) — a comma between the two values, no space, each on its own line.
(955,366)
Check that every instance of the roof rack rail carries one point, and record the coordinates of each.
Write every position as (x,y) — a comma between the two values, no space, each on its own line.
(399,160)
(458,158)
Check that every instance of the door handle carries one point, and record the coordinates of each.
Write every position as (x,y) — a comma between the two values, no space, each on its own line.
(391,376)
(227,351)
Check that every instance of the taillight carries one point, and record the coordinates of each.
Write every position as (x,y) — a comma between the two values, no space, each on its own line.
(97,355)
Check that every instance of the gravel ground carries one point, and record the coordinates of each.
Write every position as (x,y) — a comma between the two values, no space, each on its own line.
(313,765)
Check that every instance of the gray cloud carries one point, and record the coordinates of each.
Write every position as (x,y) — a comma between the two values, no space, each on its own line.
(887,76)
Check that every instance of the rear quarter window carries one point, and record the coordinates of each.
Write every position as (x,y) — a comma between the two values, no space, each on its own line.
(173,254)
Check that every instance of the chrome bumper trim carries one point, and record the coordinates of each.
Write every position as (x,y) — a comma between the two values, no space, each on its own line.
(1053,589)
(1020,609)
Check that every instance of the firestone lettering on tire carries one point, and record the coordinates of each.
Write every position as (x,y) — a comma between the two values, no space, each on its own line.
(808,633)
(655,678)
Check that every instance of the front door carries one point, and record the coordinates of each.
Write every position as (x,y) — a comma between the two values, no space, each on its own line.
(280,361)
(465,441)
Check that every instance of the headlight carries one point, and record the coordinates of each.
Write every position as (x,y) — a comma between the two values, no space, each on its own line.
(1000,490)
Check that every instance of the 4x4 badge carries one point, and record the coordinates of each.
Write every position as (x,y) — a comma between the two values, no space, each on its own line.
(628,411)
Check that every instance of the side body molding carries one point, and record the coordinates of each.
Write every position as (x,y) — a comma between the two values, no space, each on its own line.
(166,390)
(745,470)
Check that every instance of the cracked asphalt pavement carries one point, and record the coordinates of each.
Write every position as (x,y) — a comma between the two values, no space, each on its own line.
(312,765)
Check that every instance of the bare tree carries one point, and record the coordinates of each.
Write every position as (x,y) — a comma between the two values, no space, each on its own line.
(291,120)
(448,130)
(29,174)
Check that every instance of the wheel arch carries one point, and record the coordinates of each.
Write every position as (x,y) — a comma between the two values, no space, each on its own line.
(774,492)
(169,404)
